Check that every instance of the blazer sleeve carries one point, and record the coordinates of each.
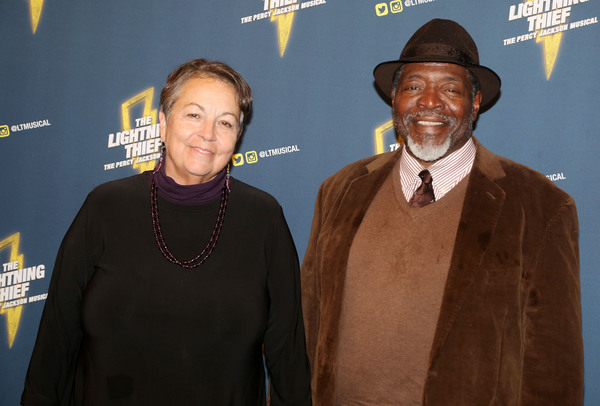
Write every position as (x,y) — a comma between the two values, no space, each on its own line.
(553,347)
(311,291)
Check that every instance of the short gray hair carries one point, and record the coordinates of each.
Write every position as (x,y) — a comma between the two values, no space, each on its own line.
(202,68)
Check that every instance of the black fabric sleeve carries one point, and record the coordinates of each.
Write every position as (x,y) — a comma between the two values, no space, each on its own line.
(53,364)
(285,346)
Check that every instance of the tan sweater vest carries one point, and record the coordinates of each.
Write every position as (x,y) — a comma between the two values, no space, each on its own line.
(394,285)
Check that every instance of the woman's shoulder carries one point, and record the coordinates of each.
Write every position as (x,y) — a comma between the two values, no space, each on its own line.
(121,188)
(251,196)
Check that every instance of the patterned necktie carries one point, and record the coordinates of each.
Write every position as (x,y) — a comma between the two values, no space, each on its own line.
(424,193)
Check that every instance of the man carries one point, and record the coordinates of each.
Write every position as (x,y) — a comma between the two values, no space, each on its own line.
(442,274)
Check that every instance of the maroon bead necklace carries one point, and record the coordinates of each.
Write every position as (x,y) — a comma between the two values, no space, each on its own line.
(214,237)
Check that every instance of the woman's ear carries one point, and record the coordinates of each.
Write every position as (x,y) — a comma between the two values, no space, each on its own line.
(162,125)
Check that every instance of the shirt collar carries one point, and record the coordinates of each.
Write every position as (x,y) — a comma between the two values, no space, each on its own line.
(446,172)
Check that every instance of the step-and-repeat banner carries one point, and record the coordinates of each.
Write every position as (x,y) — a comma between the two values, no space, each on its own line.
(79,88)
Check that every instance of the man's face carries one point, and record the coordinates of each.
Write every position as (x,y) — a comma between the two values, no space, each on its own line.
(434,109)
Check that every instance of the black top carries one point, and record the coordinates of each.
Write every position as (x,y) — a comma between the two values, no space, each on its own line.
(123,326)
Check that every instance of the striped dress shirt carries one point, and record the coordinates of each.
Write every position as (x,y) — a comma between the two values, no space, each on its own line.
(446,173)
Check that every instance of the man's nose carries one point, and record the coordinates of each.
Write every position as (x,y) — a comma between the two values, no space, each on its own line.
(430,99)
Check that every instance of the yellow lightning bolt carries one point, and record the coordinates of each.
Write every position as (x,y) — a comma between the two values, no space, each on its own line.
(35,10)
(146,96)
(13,314)
(551,44)
(378,136)
(284,28)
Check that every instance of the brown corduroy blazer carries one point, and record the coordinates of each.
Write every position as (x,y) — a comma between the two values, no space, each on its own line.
(509,329)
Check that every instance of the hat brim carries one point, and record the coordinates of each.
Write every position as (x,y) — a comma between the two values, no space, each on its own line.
(488,79)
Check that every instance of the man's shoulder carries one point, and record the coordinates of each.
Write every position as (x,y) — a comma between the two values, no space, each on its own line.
(371,164)
(521,180)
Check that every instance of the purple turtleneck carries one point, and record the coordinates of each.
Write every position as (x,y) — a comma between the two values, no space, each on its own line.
(188,195)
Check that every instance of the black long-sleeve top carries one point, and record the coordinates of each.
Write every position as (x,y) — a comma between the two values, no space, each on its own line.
(123,326)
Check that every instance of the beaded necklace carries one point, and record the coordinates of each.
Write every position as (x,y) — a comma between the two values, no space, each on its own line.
(214,237)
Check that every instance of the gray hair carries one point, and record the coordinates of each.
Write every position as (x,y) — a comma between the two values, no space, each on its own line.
(202,68)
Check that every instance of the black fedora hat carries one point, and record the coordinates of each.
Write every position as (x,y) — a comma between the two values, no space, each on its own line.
(441,41)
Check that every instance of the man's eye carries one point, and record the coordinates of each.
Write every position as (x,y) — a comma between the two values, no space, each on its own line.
(454,89)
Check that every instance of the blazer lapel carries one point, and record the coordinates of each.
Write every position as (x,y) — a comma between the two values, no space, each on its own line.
(341,231)
(482,206)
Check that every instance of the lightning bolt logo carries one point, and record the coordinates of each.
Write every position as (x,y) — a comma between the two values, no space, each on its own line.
(379,136)
(284,28)
(13,314)
(551,43)
(35,11)
(146,96)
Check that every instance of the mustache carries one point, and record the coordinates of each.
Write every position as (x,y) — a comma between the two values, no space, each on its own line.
(414,116)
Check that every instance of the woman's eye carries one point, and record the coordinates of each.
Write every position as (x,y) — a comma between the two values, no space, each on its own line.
(230,125)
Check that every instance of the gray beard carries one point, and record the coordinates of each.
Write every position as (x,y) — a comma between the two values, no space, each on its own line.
(428,152)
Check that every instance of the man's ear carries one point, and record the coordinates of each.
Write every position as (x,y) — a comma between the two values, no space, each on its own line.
(476,104)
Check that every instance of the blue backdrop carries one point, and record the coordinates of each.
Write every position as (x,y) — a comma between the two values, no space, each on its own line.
(77,78)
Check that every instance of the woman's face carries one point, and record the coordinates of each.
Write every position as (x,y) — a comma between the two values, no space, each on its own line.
(201,131)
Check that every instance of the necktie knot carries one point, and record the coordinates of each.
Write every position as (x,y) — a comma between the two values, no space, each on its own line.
(424,193)
(425,176)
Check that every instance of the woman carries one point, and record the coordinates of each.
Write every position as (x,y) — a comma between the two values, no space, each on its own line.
(169,284)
